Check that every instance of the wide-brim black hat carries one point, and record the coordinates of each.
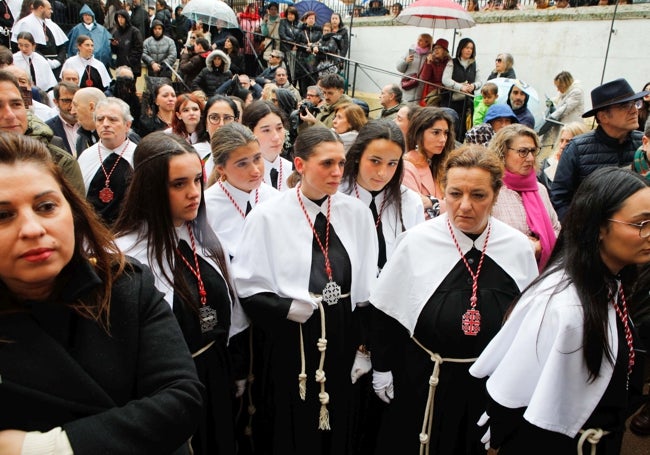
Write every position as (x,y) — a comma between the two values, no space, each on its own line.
(614,92)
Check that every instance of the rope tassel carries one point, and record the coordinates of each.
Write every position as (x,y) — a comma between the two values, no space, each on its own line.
(302,377)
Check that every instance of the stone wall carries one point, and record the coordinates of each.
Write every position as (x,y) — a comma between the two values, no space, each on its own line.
(543,43)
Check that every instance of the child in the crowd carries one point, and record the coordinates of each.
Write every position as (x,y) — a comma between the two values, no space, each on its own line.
(490,93)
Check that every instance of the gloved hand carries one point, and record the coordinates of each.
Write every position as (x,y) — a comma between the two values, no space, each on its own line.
(382,382)
(300,311)
(361,365)
(54,64)
(483,422)
(240,387)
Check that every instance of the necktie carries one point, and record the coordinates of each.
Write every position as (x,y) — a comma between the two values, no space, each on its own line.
(32,72)
(274,178)
(380,235)
(248,207)
(45,32)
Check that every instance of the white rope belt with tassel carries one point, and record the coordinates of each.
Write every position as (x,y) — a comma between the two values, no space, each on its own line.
(203,349)
(593,436)
(323,396)
(425,434)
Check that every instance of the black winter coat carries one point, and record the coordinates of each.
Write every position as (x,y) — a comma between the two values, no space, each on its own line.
(209,80)
(585,154)
(134,390)
(128,48)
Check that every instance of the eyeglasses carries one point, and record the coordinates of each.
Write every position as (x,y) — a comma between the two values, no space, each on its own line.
(523,152)
(192,37)
(215,119)
(311,95)
(644,227)
(65,100)
(637,104)
(498,60)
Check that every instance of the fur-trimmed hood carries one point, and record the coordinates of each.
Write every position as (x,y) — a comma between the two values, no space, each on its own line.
(224,57)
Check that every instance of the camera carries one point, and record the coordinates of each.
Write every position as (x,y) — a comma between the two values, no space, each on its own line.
(308,106)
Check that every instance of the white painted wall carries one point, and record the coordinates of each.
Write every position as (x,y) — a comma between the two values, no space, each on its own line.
(540,49)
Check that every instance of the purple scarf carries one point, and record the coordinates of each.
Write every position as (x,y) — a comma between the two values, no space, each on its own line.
(537,217)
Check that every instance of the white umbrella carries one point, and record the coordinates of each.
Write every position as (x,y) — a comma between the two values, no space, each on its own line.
(211,12)
(436,14)
(534,105)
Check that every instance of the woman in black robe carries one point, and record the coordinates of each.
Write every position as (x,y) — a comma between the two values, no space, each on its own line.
(433,313)
(170,233)
(302,291)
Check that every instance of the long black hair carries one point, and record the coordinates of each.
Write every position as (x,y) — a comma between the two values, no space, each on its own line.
(372,131)
(578,252)
(147,210)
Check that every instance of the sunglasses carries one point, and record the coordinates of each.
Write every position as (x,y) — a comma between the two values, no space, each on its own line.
(498,60)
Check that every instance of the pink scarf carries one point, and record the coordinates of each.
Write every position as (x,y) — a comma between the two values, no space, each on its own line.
(537,217)
(422,50)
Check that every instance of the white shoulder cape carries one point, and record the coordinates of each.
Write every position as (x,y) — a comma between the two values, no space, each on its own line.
(45,79)
(275,255)
(412,213)
(536,360)
(33,25)
(89,160)
(79,65)
(287,170)
(136,246)
(223,216)
(425,255)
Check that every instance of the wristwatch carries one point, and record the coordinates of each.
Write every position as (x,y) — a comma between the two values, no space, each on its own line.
(434,211)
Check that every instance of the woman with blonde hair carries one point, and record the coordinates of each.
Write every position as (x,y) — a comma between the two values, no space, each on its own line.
(348,120)
(411,64)
(549,165)
(523,202)
(239,188)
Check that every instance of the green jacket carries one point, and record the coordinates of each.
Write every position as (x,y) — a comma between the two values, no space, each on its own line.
(40,131)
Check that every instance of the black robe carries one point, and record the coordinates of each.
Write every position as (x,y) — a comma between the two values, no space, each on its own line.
(118,183)
(460,398)
(215,435)
(286,425)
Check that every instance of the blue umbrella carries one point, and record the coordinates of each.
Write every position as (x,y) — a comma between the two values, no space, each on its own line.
(323,12)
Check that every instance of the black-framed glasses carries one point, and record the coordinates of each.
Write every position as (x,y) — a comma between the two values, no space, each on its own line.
(523,151)
(644,227)
(215,119)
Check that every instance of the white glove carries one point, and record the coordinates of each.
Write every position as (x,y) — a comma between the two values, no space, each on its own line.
(54,64)
(361,365)
(300,311)
(240,387)
(486,437)
(382,382)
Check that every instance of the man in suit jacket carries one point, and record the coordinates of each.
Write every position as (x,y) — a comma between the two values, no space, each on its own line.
(65,124)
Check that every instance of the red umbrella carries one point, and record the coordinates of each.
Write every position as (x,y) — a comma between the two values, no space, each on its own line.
(436,14)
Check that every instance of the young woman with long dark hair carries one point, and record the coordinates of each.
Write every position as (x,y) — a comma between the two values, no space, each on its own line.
(563,367)
(164,224)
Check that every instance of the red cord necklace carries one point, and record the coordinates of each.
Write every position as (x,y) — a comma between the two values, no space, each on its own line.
(381,207)
(471,321)
(7,16)
(331,291)
(207,314)
(232,199)
(89,81)
(106,195)
(621,311)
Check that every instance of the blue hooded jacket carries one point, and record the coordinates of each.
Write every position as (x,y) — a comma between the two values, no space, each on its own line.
(100,36)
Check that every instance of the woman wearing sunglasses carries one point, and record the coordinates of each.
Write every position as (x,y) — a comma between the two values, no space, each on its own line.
(503,67)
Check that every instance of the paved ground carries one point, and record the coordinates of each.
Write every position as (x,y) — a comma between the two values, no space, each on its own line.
(635,445)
